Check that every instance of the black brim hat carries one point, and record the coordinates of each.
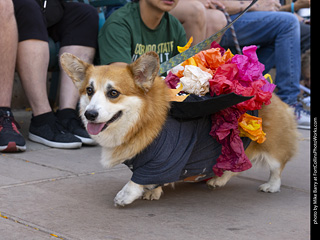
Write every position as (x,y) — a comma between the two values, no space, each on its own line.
(199,106)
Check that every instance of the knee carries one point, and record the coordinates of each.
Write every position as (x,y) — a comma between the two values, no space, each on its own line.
(26,5)
(190,13)
(196,13)
(6,10)
(91,13)
(289,23)
(85,12)
(216,20)
(288,20)
(27,8)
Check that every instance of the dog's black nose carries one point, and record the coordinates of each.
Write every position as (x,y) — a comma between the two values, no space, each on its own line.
(91,115)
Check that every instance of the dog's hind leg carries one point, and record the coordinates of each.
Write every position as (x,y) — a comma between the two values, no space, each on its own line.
(153,194)
(220,181)
(274,183)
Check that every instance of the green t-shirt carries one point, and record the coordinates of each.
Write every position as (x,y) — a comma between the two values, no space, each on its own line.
(124,37)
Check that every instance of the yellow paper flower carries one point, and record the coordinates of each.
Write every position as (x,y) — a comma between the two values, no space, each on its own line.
(251,127)
(182,49)
(173,94)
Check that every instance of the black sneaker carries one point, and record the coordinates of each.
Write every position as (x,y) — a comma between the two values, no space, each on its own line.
(11,139)
(46,129)
(71,121)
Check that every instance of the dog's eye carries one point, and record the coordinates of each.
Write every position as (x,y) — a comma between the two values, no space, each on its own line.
(113,93)
(89,91)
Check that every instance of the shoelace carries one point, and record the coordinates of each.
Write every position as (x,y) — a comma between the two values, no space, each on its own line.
(7,122)
(298,110)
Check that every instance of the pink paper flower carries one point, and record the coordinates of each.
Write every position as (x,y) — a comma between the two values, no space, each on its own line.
(172,80)
(243,75)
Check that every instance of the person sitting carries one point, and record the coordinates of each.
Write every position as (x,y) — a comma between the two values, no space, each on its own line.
(278,36)
(11,139)
(200,18)
(32,59)
(139,27)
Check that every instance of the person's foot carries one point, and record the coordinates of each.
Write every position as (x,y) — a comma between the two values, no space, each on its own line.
(46,129)
(302,116)
(11,139)
(72,122)
(306,102)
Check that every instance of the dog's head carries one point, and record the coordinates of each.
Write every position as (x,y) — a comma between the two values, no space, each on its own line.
(111,97)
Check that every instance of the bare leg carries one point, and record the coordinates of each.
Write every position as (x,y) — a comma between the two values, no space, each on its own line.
(216,20)
(199,21)
(32,65)
(8,49)
(69,95)
(192,15)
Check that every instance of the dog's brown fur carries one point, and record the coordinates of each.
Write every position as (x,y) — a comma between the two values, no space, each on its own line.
(152,91)
(281,129)
(279,124)
(138,82)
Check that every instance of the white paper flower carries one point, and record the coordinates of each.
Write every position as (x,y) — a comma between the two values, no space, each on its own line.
(195,81)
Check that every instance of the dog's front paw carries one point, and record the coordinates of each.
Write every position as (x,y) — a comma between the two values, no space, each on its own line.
(153,194)
(122,199)
(130,192)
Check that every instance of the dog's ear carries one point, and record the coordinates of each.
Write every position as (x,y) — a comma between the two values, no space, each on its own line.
(75,68)
(145,69)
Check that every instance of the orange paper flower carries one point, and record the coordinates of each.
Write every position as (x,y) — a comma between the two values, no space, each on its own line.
(251,127)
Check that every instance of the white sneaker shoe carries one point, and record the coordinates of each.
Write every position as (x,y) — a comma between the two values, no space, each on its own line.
(306,103)
(302,116)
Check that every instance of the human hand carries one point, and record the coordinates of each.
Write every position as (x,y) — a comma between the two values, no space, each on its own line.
(302,4)
(267,5)
(212,4)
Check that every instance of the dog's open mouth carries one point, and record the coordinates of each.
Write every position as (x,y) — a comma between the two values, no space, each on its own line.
(96,128)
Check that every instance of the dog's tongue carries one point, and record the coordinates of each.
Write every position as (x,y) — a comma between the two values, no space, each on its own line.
(95,128)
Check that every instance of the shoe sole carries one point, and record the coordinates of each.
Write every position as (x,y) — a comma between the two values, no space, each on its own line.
(304,127)
(87,141)
(13,147)
(52,144)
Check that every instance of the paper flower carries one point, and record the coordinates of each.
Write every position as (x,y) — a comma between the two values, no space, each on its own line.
(223,81)
(172,80)
(187,46)
(250,69)
(225,131)
(251,126)
(195,81)
(220,72)
(175,97)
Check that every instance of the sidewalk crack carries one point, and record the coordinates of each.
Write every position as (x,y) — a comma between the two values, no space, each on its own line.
(33,226)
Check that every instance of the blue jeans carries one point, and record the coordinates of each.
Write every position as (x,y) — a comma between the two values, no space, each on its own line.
(277,35)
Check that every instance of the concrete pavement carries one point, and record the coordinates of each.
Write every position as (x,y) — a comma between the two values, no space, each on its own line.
(48,193)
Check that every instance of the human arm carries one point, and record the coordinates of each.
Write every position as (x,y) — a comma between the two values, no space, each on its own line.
(237,6)
(212,4)
(297,5)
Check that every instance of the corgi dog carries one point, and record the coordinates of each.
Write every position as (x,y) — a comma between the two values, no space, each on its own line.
(125,109)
